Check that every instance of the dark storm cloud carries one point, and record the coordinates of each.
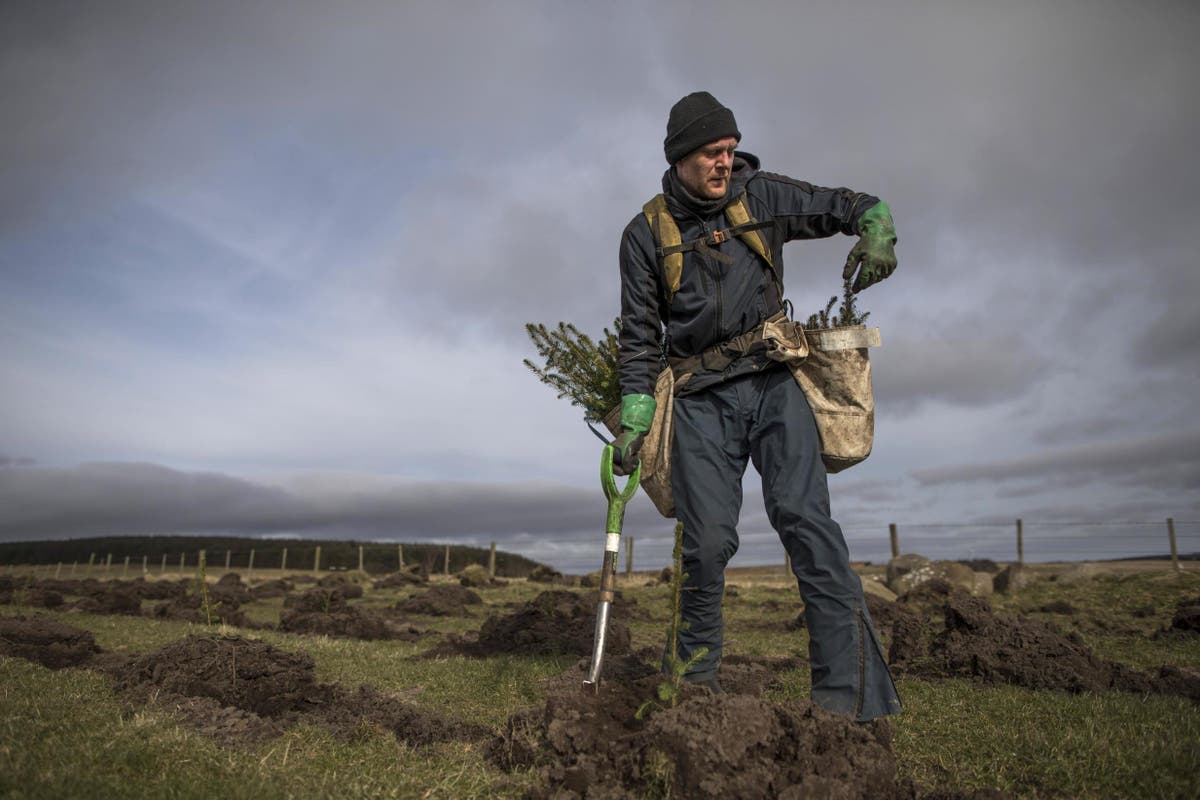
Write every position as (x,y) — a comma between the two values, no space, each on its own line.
(112,498)
(1170,462)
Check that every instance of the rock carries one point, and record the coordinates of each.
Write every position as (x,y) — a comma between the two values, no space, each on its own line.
(874,586)
(474,575)
(902,565)
(950,571)
(1012,578)
(983,584)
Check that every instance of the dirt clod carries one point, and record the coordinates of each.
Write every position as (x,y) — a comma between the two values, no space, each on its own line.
(728,745)
(441,600)
(555,622)
(976,643)
(46,641)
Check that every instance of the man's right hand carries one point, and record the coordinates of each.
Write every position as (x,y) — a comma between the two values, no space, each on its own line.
(625,451)
(637,414)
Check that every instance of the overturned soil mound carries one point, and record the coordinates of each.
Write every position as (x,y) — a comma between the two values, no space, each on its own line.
(974,642)
(726,745)
(348,622)
(243,673)
(118,599)
(1187,616)
(319,599)
(45,641)
(442,600)
(272,588)
(409,576)
(554,622)
(258,689)
(190,608)
(230,688)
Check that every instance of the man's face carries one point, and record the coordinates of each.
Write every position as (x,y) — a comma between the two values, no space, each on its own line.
(705,171)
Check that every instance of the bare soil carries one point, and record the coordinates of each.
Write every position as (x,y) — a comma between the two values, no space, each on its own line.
(232,688)
(555,622)
(45,641)
(442,600)
(729,745)
(972,641)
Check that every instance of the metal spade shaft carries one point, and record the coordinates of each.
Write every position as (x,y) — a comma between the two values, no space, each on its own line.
(608,572)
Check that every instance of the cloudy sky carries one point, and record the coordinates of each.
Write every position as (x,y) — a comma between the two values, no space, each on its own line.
(264,267)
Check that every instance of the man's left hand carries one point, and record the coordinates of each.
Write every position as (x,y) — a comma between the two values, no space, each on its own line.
(874,255)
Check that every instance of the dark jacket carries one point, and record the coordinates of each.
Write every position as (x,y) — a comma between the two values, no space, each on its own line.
(715,301)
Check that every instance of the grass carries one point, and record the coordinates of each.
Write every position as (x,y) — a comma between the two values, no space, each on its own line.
(66,734)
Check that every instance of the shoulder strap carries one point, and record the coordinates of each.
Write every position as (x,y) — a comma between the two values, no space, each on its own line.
(670,247)
(666,235)
(738,216)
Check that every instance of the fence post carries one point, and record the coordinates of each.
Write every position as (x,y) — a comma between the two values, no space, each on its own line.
(1174,548)
(317,559)
(400,555)
(492,561)
(250,565)
(1020,542)
(73,565)
(228,558)
(283,560)
(164,565)
(895,537)
(125,569)
(58,570)
(628,556)
(447,559)
(182,561)
(145,569)
(360,558)
(107,564)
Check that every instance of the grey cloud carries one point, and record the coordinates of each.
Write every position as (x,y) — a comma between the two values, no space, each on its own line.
(1170,462)
(118,498)
(966,370)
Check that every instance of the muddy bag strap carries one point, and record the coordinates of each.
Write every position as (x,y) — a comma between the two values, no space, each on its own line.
(720,356)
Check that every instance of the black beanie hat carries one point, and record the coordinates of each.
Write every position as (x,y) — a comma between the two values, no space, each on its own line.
(695,121)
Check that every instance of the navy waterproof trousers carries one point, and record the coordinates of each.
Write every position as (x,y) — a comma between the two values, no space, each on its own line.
(765,418)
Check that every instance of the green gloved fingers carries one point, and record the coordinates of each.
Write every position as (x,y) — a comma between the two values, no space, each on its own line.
(874,254)
(637,414)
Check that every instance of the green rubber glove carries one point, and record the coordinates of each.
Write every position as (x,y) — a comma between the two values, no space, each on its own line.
(874,250)
(637,413)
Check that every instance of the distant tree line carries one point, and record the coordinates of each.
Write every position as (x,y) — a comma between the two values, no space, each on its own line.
(378,557)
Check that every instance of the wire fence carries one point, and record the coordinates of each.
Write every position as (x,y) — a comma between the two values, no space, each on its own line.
(1003,542)
(1018,540)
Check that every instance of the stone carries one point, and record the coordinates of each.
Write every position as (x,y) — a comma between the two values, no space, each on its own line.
(984,585)
(951,572)
(874,586)
(902,565)
(1011,579)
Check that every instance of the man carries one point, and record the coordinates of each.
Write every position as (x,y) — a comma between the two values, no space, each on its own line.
(742,406)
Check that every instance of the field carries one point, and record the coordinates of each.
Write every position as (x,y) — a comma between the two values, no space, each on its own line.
(462,698)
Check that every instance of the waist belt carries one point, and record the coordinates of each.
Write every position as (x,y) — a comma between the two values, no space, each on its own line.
(720,356)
